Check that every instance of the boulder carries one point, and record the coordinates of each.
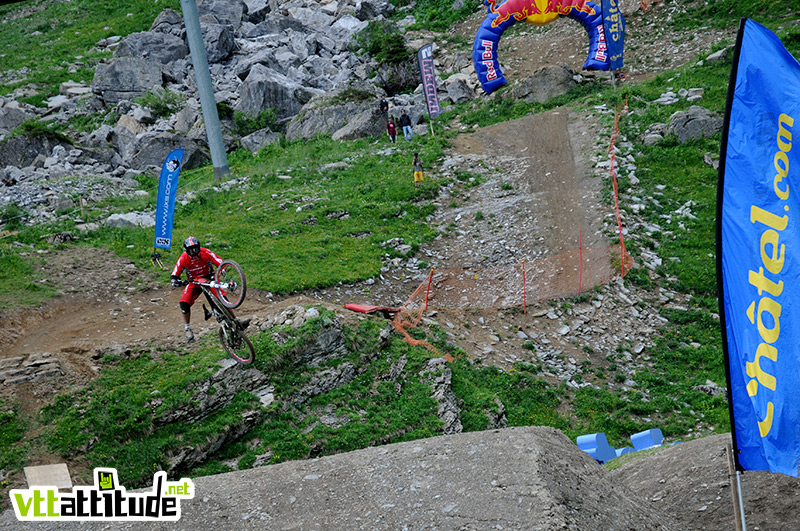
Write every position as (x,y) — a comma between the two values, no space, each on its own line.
(130,220)
(372,9)
(219,42)
(169,21)
(126,78)
(367,123)
(228,12)
(22,150)
(329,112)
(12,114)
(695,122)
(152,148)
(546,83)
(255,141)
(265,88)
(154,46)
(458,88)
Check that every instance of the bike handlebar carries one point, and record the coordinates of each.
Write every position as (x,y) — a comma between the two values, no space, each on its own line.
(208,284)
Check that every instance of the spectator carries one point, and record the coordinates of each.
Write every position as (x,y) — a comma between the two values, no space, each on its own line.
(384,107)
(405,124)
(391,130)
(418,177)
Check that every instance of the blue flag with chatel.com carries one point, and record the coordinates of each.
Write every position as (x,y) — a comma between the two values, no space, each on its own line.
(758,252)
(167,191)
(613,32)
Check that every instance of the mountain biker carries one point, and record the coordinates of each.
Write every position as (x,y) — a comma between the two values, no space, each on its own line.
(199,264)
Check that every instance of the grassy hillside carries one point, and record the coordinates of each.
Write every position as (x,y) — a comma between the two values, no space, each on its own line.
(267,229)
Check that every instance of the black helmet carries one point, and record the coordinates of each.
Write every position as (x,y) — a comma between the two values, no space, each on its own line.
(192,246)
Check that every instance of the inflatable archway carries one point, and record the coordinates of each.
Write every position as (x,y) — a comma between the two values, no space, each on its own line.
(505,13)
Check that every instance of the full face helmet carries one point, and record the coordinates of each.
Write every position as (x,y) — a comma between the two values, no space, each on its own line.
(192,246)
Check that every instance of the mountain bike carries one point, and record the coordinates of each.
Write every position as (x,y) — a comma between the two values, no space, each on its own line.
(224,293)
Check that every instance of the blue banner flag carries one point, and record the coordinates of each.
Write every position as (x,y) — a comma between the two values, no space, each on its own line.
(758,252)
(613,32)
(167,191)
(425,60)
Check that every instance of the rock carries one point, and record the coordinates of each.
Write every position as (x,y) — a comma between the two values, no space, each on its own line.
(152,148)
(458,88)
(720,55)
(255,141)
(367,10)
(440,377)
(265,88)
(13,114)
(169,21)
(367,123)
(130,220)
(329,112)
(228,12)
(546,83)
(126,78)
(696,122)
(219,42)
(155,46)
(22,150)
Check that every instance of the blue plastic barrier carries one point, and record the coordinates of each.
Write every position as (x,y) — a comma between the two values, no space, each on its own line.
(647,439)
(622,451)
(596,445)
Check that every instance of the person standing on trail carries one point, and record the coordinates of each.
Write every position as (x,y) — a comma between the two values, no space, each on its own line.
(391,130)
(199,264)
(405,125)
(418,177)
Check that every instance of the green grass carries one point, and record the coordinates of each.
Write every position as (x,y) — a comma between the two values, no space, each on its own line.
(12,431)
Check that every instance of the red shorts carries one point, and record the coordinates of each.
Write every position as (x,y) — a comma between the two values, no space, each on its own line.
(192,291)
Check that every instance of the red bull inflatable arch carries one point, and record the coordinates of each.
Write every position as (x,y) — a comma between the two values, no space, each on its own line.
(505,13)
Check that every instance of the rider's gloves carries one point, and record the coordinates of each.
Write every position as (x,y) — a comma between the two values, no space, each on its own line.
(176,281)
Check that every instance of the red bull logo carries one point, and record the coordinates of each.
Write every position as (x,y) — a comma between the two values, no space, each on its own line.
(536,11)
(488,59)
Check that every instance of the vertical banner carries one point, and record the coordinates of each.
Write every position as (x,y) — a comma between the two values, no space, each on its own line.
(167,191)
(758,257)
(425,59)
(613,32)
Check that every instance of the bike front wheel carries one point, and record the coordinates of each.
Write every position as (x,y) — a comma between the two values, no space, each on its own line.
(231,273)
(237,345)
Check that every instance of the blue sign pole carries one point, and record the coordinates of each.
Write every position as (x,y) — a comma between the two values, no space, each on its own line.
(165,205)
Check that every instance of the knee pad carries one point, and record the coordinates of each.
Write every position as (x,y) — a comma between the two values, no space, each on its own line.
(185,307)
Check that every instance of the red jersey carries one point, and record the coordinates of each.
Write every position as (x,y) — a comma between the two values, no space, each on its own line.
(390,128)
(197,267)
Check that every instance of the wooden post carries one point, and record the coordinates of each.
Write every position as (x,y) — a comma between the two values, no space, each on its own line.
(580,262)
(428,291)
(524,294)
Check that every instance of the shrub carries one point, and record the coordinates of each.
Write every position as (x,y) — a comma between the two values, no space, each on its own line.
(383,41)
(246,123)
(35,129)
(162,102)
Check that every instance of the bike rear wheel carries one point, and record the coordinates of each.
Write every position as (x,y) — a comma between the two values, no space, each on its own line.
(231,273)
(237,345)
